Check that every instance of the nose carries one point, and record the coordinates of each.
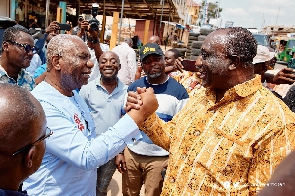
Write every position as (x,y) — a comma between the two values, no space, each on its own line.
(90,64)
(199,61)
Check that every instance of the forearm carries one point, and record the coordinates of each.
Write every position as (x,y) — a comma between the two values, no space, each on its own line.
(97,50)
(87,152)
(158,131)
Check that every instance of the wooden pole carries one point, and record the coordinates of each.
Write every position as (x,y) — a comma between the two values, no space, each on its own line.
(103,24)
(114,30)
(146,32)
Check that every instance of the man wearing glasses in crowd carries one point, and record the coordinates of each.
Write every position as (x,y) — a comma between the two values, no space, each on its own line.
(17,52)
(22,144)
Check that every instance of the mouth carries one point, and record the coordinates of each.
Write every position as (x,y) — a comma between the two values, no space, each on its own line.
(155,70)
(108,71)
(201,73)
(86,75)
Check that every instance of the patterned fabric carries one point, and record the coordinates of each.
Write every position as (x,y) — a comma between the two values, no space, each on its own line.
(128,63)
(188,79)
(24,79)
(225,148)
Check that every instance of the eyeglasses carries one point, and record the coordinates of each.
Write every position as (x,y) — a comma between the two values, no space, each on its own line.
(26,47)
(47,134)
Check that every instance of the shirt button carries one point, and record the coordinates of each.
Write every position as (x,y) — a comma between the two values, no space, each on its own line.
(197,133)
(133,139)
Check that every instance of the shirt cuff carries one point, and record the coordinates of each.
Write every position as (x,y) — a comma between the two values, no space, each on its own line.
(128,129)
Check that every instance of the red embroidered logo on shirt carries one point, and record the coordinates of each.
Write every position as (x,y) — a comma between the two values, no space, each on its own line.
(78,122)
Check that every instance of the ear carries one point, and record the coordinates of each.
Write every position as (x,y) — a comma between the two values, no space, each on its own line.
(235,62)
(55,62)
(29,157)
(119,66)
(5,46)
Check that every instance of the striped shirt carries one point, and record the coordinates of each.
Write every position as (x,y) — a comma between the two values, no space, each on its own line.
(225,148)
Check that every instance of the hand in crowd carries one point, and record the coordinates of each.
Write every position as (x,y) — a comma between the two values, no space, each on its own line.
(121,163)
(284,76)
(84,25)
(178,65)
(53,26)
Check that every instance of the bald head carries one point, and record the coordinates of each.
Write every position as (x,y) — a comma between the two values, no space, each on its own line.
(22,118)
(128,41)
(61,45)
(22,122)
(154,39)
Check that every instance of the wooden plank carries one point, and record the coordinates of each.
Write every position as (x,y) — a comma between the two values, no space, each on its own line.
(114,35)
(146,31)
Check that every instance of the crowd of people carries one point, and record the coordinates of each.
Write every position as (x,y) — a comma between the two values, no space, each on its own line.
(70,123)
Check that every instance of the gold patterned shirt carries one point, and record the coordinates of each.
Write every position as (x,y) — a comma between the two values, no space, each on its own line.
(225,148)
(188,79)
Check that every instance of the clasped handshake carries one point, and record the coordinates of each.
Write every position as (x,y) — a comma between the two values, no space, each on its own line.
(141,104)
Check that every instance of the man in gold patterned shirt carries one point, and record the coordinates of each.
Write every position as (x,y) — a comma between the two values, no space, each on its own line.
(230,136)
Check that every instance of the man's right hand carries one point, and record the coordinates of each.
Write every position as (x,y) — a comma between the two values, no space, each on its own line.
(121,163)
(53,26)
(284,76)
(149,105)
(84,25)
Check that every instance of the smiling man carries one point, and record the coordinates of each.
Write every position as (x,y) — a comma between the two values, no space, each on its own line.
(232,134)
(144,160)
(105,96)
(17,52)
(73,153)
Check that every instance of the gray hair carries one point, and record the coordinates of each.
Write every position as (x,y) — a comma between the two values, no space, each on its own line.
(61,45)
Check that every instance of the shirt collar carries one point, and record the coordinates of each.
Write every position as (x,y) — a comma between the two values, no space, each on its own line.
(4,73)
(97,83)
(239,91)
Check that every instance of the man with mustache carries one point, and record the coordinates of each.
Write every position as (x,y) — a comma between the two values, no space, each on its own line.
(232,134)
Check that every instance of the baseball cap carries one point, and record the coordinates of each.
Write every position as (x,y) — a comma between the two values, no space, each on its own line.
(262,55)
(150,48)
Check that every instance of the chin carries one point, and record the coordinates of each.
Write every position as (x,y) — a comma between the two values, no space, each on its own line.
(154,75)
